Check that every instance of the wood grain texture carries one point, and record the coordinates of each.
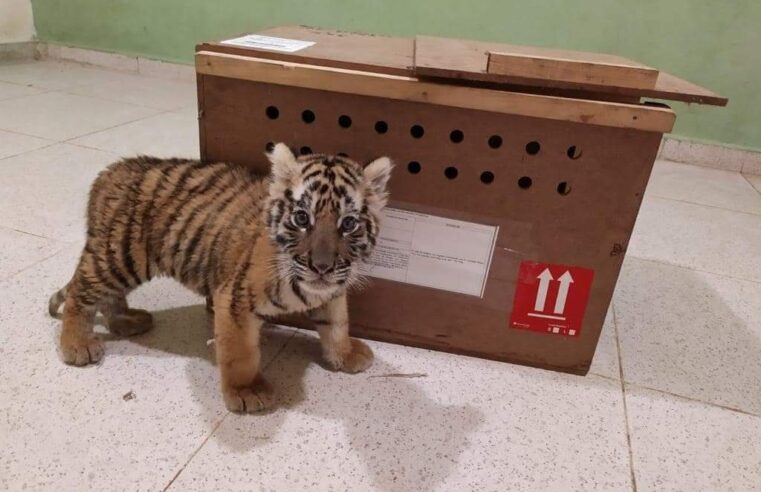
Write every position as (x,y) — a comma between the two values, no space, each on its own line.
(346,81)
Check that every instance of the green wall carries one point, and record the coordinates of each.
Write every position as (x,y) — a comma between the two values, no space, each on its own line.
(713,43)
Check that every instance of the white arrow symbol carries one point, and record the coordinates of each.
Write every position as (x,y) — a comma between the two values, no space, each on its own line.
(565,283)
(544,285)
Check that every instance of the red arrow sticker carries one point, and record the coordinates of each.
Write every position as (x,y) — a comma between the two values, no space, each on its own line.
(551,298)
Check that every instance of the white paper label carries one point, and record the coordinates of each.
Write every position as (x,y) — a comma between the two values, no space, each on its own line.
(269,43)
(432,251)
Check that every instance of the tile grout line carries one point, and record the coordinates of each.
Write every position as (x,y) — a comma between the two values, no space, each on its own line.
(675,265)
(715,207)
(227,414)
(745,177)
(623,396)
(694,400)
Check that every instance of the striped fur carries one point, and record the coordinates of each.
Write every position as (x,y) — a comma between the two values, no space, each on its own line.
(254,247)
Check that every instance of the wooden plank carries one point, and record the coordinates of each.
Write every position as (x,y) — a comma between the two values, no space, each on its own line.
(333,48)
(443,58)
(576,67)
(411,89)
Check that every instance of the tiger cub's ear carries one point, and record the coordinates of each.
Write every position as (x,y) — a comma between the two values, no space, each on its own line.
(377,174)
(284,163)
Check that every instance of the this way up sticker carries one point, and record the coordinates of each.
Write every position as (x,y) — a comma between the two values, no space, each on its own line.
(551,298)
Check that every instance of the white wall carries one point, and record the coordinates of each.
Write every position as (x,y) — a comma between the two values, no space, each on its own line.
(16,24)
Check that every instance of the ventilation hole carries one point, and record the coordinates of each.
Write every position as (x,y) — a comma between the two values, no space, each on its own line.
(456,136)
(417,131)
(305,150)
(307,116)
(450,172)
(342,154)
(269,147)
(414,167)
(381,127)
(525,182)
(564,188)
(272,112)
(573,152)
(344,121)
(495,141)
(487,177)
(532,148)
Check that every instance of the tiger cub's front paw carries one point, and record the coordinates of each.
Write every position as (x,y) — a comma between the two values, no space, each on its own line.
(249,399)
(81,351)
(357,359)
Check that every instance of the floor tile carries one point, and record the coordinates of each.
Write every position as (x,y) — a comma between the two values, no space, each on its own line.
(690,333)
(686,445)
(605,362)
(19,251)
(15,143)
(8,91)
(132,420)
(45,191)
(703,186)
(420,420)
(165,135)
(141,91)
(703,238)
(59,116)
(754,180)
(52,74)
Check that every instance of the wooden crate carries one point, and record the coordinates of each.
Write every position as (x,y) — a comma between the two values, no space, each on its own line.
(561,177)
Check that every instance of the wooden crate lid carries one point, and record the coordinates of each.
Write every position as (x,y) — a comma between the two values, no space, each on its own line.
(464,61)
(491,62)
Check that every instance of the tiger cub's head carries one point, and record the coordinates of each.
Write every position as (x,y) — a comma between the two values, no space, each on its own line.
(323,215)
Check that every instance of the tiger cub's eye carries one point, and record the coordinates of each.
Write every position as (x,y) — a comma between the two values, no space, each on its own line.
(300,219)
(349,224)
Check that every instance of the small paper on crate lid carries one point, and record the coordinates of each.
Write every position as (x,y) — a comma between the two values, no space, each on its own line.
(269,43)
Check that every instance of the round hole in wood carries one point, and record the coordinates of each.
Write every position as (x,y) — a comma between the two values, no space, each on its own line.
(414,167)
(451,172)
(307,116)
(381,127)
(305,150)
(532,148)
(525,182)
(564,188)
(487,177)
(495,141)
(342,154)
(269,147)
(272,112)
(456,136)
(344,121)
(417,131)
(573,152)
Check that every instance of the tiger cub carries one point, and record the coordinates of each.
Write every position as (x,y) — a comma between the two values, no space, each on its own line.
(255,247)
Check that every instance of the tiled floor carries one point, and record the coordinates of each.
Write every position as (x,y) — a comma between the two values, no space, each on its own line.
(673,401)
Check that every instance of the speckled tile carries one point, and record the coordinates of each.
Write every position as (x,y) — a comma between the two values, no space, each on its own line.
(131,421)
(420,420)
(8,91)
(755,181)
(19,251)
(52,74)
(45,191)
(679,444)
(690,333)
(605,361)
(704,186)
(139,90)
(172,134)
(14,143)
(59,116)
(698,237)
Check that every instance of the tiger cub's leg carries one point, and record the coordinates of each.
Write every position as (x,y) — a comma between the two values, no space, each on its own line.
(236,336)
(340,351)
(123,321)
(79,344)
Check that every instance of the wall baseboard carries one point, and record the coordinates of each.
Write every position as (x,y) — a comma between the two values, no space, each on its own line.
(675,149)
